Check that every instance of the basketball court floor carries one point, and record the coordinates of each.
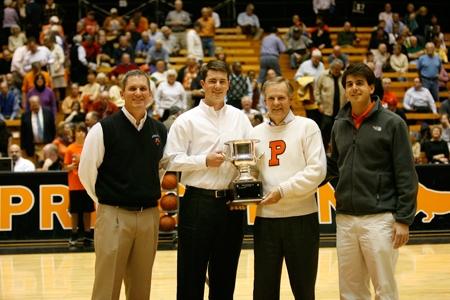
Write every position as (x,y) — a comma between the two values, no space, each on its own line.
(423,272)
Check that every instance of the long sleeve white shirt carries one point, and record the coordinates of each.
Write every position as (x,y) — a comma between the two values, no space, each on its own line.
(93,153)
(194,44)
(170,95)
(201,131)
(420,98)
(300,168)
(322,5)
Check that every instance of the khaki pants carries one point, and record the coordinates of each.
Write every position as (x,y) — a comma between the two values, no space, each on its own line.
(125,247)
(365,252)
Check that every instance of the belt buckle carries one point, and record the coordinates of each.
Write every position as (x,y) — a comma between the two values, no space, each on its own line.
(219,193)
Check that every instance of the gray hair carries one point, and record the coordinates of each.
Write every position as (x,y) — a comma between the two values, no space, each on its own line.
(278,80)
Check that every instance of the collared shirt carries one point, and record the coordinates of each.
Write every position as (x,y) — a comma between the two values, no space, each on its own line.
(94,152)
(42,55)
(35,118)
(289,118)
(198,132)
(419,98)
(244,20)
(429,66)
(358,119)
(272,45)
(308,69)
(24,165)
(182,19)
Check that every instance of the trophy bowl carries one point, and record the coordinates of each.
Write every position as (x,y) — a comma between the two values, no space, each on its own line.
(245,188)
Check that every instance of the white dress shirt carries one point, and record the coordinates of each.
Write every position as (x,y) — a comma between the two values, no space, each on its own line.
(419,98)
(170,95)
(37,120)
(201,131)
(194,44)
(93,152)
(24,165)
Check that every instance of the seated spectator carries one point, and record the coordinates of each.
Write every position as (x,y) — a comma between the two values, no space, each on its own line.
(124,66)
(5,61)
(105,57)
(75,115)
(379,36)
(443,79)
(52,161)
(189,77)
(104,106)
(14,86)
(311,67)
(157,52)
(160,73)
(297,46)
(395,21)
(410,17)
(436,150)
(249,22)
(169,41)
(74,96)
(153,32)
(115,90)
(89,25)
(207,31)
(381,58)
(297,23)
(20,164)
(89,92)
(347,37)
(320,35)
(246,104)
(168,94)
(9,103)
(45,94)
(16,39)
(124,47)
(414,49)
(337,54)
(441,51)
(386,15)
(138,22)
(114,24)
(194,44)
(415,147)
(239,86)
(398,60)
(390,101)
(419,99)
(91,47)
(143,45)
(102,80)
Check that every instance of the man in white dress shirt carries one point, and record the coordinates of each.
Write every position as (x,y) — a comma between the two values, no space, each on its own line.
(209,233)
(20,164)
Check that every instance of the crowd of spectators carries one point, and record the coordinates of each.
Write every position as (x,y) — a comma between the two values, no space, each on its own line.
(76,78)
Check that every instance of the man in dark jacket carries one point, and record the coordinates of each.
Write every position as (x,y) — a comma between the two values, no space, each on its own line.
(376,192)
(37,128)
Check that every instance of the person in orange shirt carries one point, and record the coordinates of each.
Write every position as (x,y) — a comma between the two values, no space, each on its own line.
(207,31)
(28,80)
(80,202)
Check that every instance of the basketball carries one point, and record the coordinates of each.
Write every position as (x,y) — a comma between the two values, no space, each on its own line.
(167,223)
(169,181)
(169,202)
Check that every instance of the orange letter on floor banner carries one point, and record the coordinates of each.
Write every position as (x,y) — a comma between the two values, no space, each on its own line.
(49,208)
(326,200)
(8,209)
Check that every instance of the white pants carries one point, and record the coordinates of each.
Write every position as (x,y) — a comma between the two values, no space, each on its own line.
(365,251)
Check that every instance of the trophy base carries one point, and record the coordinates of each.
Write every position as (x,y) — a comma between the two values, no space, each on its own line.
(246,192)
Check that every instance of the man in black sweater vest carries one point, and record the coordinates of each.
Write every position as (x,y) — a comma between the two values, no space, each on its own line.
(119,169)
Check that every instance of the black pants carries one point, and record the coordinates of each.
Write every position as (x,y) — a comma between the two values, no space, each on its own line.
(296,239)
(209,238)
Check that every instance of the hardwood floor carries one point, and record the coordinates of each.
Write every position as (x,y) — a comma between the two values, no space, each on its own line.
(423,272)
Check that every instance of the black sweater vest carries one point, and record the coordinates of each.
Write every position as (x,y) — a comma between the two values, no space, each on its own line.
(128,175)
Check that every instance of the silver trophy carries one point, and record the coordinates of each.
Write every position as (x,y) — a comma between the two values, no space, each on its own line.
(245,188)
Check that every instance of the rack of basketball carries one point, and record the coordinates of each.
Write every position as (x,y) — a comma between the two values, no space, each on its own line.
(168,207)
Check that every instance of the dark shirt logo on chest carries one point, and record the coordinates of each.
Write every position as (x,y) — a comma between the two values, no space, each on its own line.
(156,139)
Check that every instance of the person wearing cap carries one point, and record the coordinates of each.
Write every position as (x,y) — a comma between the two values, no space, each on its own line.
(271,48)
(170,93)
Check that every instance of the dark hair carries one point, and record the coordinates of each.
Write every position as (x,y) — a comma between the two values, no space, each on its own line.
(81,127)
(134,73)
(36,78)
(359,69)
(214,65)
